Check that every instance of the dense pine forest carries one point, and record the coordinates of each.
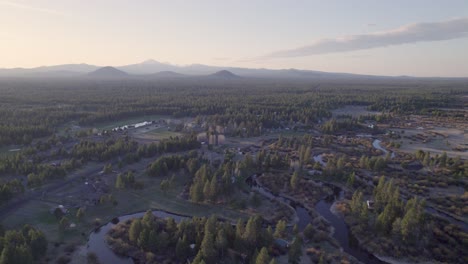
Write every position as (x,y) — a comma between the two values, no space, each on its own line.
(37,108)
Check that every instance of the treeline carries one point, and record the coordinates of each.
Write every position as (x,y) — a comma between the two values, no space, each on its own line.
(127,180)
(32,163)
(25,246)
(198,240)
(37,172)
(102,151)
(36,108)
(208,183)
(373,163)
(21,123)
(9,189)
(211,185)
(334,126)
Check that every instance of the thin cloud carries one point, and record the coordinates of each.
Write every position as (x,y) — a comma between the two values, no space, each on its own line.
(412,33)
(221,58)
(30,7)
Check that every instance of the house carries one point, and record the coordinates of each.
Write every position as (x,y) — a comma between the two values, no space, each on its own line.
(370,204)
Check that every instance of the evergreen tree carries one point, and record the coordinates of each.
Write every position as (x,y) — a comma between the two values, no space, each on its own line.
(196,192)
(207,248)
(262,257)
(294,182)
(351,179)
(356,202)
(221,241)
(135,229)
(38,243)
(182,249)
(280,229)
(309,231)
(295,251)
(80,213)
(120,183)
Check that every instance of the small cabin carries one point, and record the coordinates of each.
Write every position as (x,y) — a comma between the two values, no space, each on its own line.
(370,204)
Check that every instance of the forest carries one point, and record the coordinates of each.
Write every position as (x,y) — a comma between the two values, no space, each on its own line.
(255,168)
(35,108)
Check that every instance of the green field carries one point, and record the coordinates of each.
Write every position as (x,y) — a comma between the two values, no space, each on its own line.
(154,133)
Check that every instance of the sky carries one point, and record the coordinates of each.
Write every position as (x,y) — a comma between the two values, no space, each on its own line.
(410,37)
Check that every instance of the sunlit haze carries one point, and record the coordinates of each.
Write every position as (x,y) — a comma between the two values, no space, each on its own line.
(419,38)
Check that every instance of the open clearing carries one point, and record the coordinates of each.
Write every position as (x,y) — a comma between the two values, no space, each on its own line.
(128,121)
(354,111)
(153,132)
(439,140)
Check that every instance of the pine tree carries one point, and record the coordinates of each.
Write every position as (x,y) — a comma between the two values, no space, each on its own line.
(280,229)
(135,229)
(120,183)
(37,243)
(221,241)
(207,248)
(263,257)
(252,230)
(182,250)
(80,213)
(294,182)
(295,229)
(148,218)
(351,179)
(196,192)
(356,201)
(295,251)
(309,231)
(206,190)
(64,223)
(143,239)
(443,160)
(213,192)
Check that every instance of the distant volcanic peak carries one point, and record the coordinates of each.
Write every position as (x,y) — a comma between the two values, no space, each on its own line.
(150,61)
(224,74)
(108,71)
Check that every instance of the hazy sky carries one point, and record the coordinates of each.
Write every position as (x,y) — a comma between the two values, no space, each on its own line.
(407,37)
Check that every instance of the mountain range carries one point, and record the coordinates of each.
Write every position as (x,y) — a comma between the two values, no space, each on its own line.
(155,69)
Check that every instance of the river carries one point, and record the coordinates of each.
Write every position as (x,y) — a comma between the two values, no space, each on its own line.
(376,145)
(346,240)
(97,239)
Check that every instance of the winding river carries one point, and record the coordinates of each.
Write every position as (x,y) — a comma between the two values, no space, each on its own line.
(97,239)
(341,232)
(376,145)
(347,241)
